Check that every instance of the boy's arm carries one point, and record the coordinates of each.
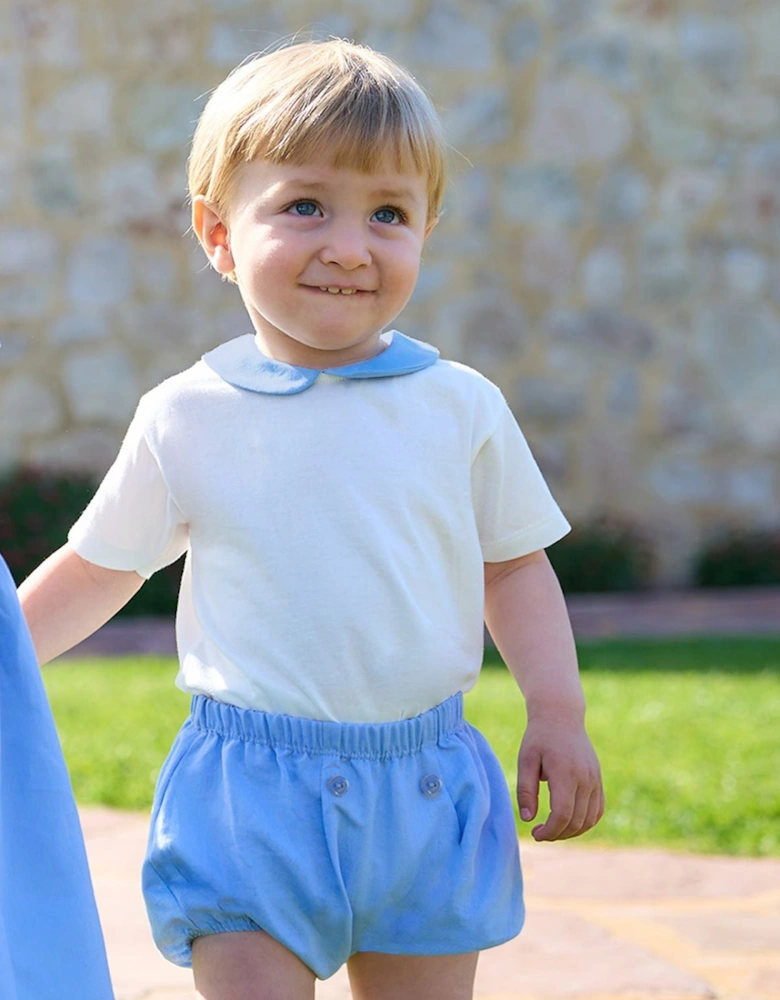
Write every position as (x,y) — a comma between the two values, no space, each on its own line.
(527,618)
(67,598)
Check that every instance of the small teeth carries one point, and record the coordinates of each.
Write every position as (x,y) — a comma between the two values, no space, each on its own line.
(337,291)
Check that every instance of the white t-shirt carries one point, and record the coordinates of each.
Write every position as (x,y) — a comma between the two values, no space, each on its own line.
(335,533)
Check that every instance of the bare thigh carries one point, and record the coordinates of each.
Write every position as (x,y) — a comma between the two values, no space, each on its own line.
(374,976)
(248,965)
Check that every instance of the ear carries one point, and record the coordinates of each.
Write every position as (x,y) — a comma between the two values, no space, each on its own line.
(212,232)
(431,226)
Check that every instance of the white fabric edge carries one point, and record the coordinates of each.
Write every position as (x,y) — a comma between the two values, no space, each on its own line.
(537,536)
(105,555)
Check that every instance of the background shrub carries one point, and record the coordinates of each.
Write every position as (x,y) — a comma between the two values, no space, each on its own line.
(38,508)
(604,554)
(739,558)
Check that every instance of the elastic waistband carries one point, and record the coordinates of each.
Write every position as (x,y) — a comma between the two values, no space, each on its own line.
(367,740)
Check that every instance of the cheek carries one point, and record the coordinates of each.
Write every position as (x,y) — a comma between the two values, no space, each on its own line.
(407,266)
(262,256)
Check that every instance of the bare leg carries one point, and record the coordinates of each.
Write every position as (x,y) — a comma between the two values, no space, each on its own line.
(374,976)
(248,965)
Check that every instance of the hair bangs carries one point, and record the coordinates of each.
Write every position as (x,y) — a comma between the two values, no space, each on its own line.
(362,132)
(332,102)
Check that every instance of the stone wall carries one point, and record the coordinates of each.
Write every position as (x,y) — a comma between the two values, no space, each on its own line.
(609,252)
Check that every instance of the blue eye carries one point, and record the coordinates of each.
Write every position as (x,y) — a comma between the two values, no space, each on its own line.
(388,215)
(304,208)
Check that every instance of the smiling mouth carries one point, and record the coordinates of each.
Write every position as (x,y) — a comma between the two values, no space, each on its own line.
(336,290)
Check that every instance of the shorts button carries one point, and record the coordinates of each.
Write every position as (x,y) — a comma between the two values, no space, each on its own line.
(338,784)
(430,785)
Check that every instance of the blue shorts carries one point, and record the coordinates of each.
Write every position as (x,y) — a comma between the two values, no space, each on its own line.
(395,837)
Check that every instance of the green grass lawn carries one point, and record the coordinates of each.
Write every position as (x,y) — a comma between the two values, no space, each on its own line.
(688,733)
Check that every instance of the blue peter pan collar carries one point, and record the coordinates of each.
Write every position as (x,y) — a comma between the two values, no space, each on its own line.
(241,363)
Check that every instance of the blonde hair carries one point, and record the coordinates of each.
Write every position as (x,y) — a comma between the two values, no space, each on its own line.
(312,100)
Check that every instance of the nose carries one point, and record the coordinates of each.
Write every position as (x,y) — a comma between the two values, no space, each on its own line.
(346,245)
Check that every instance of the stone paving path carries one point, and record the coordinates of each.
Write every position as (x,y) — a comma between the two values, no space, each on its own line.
(602,925)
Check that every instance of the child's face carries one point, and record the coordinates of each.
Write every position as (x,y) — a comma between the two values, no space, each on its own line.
(295,231)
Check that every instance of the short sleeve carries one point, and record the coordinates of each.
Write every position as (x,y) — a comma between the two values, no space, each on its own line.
(132,522)
(515,511)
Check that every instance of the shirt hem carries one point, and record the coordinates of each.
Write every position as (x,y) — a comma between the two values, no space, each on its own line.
(538,536)
(106,555)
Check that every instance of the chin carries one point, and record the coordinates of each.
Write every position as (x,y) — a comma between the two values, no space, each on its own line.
(335,341)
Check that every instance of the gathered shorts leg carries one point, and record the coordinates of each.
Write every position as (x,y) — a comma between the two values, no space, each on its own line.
(333,838)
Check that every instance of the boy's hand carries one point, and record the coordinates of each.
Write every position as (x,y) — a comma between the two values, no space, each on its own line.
(560,753)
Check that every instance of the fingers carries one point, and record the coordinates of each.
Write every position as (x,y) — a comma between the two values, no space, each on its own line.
(565,759)
(575,809)
(529,773)
(584,816)
(576,819)
(563,804)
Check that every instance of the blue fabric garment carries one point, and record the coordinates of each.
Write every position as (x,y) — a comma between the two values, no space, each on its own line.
(51,944)
(241,363)
(334,838)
